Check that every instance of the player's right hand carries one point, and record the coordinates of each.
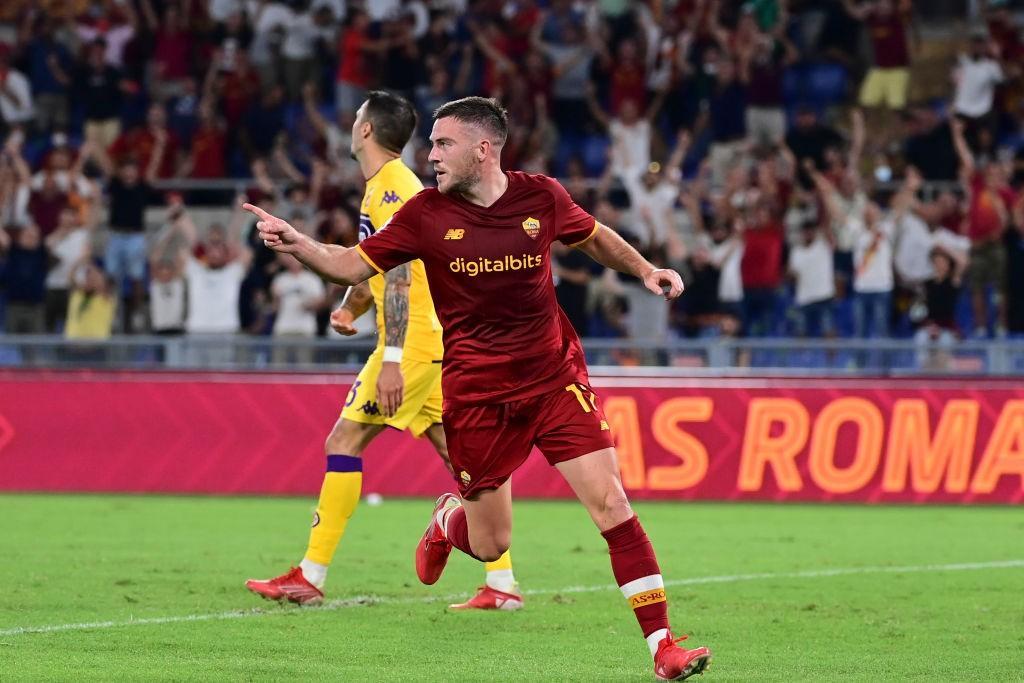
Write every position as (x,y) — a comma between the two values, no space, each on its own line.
(276,233)
(341,322)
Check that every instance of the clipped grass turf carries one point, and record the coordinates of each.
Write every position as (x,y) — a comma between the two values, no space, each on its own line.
(754,582)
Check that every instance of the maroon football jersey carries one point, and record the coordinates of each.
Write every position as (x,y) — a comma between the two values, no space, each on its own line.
(489,271)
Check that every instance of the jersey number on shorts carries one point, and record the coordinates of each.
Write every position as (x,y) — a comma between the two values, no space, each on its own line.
(578,392)
(352,393)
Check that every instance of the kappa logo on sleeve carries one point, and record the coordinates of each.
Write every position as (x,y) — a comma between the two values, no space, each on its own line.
(390,197)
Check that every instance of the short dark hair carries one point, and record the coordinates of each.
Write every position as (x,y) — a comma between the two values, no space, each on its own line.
(393,119)
(485,112)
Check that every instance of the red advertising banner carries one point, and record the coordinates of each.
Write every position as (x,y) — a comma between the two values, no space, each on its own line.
(878,440)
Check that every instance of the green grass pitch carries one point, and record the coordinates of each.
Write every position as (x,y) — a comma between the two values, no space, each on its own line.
(779,592)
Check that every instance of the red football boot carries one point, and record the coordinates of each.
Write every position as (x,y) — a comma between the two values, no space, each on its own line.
(673,663)
(433,549)
(491,598)
(292,586)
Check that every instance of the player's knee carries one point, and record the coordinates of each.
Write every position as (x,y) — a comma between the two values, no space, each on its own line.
(614,508)
(342,441)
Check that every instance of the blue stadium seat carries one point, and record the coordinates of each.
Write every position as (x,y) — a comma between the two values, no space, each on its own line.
(827,84)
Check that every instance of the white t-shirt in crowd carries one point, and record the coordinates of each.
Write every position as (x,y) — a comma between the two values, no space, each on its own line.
(631,148)
(976,86)
(651,208)
(914,245)
(20,111)
(273,16)
(294,291)
(213,297)
(116,38)
(850,220)
(727,256)
(65,181)
(67,250)
(167,304)
(382,9)
(300,36)
(872,259)
(813,269)
(220,10)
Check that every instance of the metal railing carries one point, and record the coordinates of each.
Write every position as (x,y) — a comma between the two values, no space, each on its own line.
(703,357)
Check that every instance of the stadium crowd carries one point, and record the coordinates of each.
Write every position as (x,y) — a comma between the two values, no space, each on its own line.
(791,158)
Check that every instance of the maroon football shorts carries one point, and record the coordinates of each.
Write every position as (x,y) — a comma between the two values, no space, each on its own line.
(487,443)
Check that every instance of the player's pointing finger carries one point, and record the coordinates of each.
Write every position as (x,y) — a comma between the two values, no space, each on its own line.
(252,208)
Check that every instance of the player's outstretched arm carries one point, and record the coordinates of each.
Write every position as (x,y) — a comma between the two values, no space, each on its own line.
(337,264)
(608,249)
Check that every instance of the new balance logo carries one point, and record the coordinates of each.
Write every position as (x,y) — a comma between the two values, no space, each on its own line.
(390,198)
(454,234)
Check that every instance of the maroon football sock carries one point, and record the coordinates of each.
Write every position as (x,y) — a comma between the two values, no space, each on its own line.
(458,531)
(637,573)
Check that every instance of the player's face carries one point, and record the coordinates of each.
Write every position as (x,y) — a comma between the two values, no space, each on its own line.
(356,146)
(453,155)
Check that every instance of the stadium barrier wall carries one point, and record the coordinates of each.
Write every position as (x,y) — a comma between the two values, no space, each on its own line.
(863,440)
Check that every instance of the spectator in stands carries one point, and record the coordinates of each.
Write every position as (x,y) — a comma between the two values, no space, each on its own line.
(942,290)
(887,79)
(297,296)
(151,145)
(14,183)
(263,124)
(919,231)
(60,163)
(761,267)
(297,45)
(845,204)
(128,189)
(23,279)
(727,110)
(811,267)
(66,246)
(92,304)
(50,71)
(98,87)
(572,274)
(873,273)
(336,136)
(652,198)
(207,155)
(571,58)
(808,139)
(114,24)
(214,269)
(167,291)
(16,106)
(766,116)
(172,54)
(990,199)
(716,263)
(354,48)
(928,145)
(977,74)
(1015,271)
(46,203)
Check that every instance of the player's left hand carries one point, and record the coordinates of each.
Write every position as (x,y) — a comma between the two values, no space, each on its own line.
(664,281)
(390,388)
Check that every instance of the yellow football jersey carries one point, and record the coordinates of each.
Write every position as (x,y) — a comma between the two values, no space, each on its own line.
(386,192)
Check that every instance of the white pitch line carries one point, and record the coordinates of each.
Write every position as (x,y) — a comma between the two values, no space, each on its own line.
(364,600)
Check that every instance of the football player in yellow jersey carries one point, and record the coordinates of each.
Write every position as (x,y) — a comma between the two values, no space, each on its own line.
(400,385)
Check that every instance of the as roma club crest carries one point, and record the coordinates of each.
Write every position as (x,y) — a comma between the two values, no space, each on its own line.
(532,227)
